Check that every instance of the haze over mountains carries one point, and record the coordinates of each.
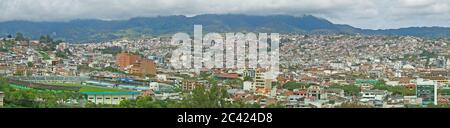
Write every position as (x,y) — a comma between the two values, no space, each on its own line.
(99,30)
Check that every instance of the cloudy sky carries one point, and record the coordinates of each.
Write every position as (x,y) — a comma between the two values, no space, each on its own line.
(373,14)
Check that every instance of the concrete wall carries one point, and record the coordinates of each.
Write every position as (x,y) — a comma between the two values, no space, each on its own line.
(109,99)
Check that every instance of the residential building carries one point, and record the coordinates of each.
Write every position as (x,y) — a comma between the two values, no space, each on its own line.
(135,64)
(315,93)
(143,67)
(412,100)
(189,85)
(262,80)
(110,97)
(427,90)
(123,60)
(248,86)
(373,95)
(154,86)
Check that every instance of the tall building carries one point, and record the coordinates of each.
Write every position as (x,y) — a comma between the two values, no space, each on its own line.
(262,80)
(143,67)
(189,85)
(124,60)
(135,64)
(427,90)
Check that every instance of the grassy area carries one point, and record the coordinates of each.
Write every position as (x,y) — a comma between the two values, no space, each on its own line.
(44,55)
(294,85)
(90,88)
(444,91)
(396,90)
(349,90)
(99,89)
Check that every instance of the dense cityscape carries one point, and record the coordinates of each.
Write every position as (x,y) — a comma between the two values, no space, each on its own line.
(317,71)
(224,63)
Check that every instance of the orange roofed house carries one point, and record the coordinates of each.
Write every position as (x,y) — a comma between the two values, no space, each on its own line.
(135,64)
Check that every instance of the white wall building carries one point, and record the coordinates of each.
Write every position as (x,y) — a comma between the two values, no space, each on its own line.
(154,86)
(373,95)
(249,86)
(110,97)
(161,77)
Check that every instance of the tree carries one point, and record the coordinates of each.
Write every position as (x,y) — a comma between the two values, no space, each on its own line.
(28,73)
(4,85)
(237,83)
(248,78)
(141,102)
(61,54)
(30,64)
(350,90)
(111,69)
(275,105)
(293,85)
(20,37)
(19,97)
(127,104)
(19,73)
(51,44)
(46,39)
(396,90)
(39,99)
(111,50)
(202,98)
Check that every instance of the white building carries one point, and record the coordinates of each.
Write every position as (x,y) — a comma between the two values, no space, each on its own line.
(110,97)
(373,95)
(412,100)
(171,96)
(161,77)
(154,86)
(249,86)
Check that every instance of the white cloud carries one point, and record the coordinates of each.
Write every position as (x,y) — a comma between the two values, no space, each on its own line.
(359,13)
(415,3)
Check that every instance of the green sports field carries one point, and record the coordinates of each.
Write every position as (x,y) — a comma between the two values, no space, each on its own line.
(89,88)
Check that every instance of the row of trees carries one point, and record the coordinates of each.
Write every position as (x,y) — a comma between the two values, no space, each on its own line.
(199,98)
(396,90)
(46,39)
(215,97)
(38,98)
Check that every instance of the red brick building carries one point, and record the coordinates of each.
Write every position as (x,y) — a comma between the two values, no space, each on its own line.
(135,64)
(123,60)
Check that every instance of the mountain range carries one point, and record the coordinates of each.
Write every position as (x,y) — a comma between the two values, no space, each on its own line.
(101,30)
